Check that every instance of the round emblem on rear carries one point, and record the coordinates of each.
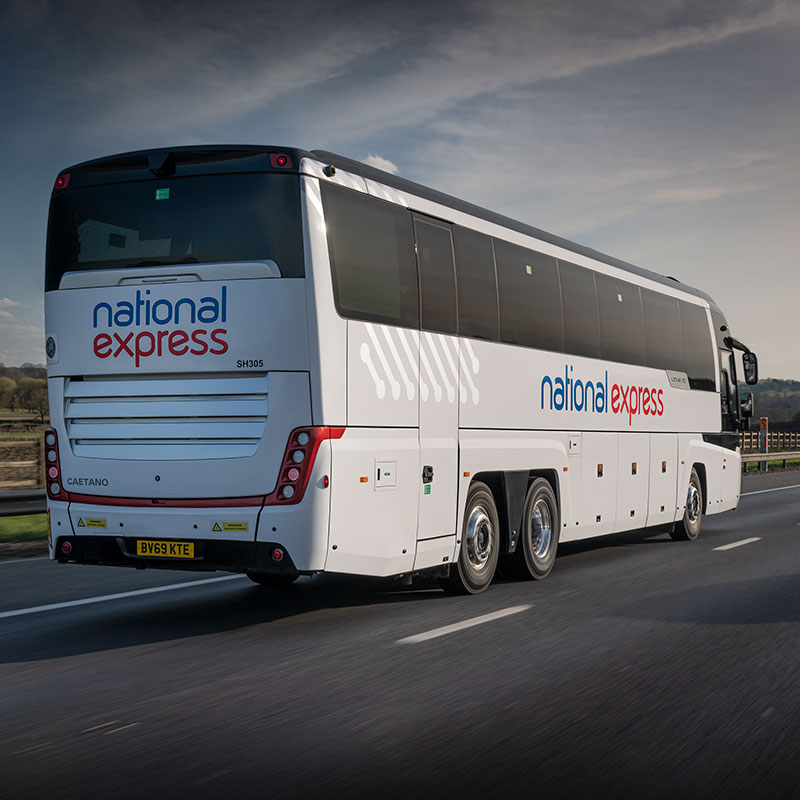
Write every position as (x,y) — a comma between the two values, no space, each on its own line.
(50,347)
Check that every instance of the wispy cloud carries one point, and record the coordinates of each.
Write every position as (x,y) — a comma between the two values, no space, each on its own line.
(379,162)
(8,302)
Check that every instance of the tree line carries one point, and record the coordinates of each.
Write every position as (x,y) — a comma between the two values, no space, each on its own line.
(24,389)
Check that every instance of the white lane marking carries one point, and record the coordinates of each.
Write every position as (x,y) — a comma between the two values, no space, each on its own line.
(739,544)
(777,489)
(123,728)
(18,612)
(460,626)
(4,561)
(104,725)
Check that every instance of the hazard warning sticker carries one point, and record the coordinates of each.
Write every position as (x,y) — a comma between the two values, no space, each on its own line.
(226,527)
(92,522)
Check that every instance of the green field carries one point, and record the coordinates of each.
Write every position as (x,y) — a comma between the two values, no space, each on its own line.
(29,528)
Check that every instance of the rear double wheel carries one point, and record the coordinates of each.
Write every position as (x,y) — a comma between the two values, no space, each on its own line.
(536,549)
(480,544)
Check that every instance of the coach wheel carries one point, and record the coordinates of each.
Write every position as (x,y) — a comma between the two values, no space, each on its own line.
(480,544)
(688,527)
(536,550)
(275,580)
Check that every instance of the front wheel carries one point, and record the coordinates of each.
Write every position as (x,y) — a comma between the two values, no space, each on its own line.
(688,528)
(480,544)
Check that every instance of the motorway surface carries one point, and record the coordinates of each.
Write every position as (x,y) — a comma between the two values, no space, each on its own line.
(641,667)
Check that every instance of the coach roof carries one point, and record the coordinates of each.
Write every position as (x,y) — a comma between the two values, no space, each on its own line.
(204,159)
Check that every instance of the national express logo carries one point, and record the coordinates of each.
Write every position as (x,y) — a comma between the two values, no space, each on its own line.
(573,394)
(196,336)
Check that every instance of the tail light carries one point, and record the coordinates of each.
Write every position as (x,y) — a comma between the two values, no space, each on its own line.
(298,462)
(53,477)
(62,181)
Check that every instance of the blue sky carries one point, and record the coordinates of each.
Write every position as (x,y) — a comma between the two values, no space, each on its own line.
(664,133)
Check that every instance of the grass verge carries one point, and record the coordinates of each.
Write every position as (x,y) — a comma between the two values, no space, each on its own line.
(28,528)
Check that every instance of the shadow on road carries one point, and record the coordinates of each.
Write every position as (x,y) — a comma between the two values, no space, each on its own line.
(178,615)
(759,601)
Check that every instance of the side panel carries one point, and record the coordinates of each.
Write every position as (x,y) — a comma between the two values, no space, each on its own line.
(632,489)
(731,480)
(373,525)
(663,478)
(599,476)
(382,375)
(438,435)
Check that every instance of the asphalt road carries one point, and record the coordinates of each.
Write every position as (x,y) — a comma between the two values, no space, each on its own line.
(641,667)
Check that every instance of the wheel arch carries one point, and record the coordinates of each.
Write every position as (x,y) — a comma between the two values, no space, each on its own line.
(700,468)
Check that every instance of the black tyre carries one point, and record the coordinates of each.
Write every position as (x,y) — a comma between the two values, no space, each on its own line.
(536,549)
(688,528)
(480,544)
(273,579)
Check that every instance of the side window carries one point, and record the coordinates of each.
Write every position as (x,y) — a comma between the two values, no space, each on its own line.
(621,325)
(530,297)
(477,287)
(579,298)
(662,328)
(437,278)
(371,247)
(698,351)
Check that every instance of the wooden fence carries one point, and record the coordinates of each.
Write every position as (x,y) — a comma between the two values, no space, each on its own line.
(779,440)
(21,464)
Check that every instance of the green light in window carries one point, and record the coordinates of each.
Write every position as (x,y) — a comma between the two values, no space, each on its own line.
(529,269)
(619,298)
(162,194)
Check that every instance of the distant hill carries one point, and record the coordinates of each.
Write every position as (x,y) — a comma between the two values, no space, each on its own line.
(777,399)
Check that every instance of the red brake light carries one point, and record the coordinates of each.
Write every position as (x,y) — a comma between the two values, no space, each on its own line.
(280,160)
(62,181)
(54,488)
(298,463)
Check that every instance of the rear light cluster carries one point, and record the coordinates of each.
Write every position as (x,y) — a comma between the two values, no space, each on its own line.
(52,466)
(62,181)
(298,462)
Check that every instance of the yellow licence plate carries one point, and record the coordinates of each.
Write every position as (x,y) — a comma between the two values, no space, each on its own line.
(148,547)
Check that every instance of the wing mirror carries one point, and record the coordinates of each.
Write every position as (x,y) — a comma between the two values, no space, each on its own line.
(750,363)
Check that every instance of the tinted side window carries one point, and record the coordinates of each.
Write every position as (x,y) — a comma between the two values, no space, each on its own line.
(371,247)
(698,351)
(477,289)
(621,327)
(437,279)
(579,297)
(662,327)
(530,297)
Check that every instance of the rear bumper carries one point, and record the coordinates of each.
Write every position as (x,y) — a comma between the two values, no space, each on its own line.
(228,537)
(210,555)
